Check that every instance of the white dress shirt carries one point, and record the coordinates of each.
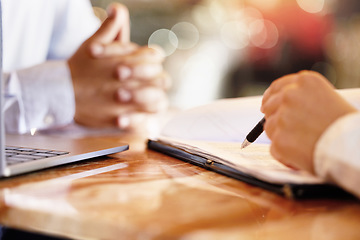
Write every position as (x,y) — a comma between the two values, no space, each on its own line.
(38,37)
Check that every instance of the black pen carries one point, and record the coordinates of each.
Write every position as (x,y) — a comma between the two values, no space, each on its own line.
(254,133)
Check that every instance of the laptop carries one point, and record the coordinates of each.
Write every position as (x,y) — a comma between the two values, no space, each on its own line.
(25,153)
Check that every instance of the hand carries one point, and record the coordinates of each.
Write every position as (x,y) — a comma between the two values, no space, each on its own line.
(117,82)
(298,108)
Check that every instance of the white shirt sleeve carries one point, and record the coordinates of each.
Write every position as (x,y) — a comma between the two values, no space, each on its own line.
(337,153)
(38,38)
(34,101)
(74,22)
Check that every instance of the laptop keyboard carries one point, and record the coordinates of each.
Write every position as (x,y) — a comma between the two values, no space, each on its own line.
(16,155)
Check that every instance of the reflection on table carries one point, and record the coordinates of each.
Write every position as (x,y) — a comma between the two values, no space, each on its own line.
(142,194)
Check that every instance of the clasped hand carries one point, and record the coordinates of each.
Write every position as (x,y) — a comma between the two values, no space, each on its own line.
(116,82)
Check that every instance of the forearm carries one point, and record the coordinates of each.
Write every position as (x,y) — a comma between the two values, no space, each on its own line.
(39,97)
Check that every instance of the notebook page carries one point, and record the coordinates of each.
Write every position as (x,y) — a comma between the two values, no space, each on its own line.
(227,120)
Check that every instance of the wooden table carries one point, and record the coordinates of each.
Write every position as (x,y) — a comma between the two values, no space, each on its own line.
(142,194)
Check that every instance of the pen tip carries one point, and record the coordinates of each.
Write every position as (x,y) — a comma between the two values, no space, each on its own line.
(245,144)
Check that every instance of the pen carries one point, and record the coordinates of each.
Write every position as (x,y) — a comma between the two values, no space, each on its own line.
(254,133)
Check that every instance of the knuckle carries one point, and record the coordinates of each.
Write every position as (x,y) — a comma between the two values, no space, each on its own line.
(287,96)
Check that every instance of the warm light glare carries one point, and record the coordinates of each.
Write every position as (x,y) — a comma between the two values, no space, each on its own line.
(165,39)
(311,6)
(33,131)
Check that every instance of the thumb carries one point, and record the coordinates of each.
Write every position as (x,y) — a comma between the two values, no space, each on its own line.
(115,27)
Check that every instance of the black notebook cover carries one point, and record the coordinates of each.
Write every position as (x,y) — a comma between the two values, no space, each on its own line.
(293,191)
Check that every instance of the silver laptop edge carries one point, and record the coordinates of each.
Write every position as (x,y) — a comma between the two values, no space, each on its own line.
(3,171)
(58,161)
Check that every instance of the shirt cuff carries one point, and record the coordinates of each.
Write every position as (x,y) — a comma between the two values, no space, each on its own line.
(47,96)
(337,153)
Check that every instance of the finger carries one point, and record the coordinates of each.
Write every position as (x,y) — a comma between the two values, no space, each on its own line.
(165,80)
(278,85)
(280,151)
(123,95)
(285,153)
(145,55)
(123,73)
(272,103)
(162,81)
(114,49)
(139,122)
(123,35)
(151,99)
(285,97)
(270,126)
(145,99)
(276,153)
(141,72)
(115,27)
(131,120)
(146,71)
(123,121)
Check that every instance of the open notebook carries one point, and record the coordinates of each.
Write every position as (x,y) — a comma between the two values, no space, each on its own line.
(210,136)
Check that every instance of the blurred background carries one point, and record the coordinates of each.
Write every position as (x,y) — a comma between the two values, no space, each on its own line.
(232,48)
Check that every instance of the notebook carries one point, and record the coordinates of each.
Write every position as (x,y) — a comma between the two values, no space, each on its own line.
(24,153)
(253,165)
(211,135)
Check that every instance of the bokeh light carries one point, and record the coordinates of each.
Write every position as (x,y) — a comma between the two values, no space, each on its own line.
(205,19)
(235,35)
(263,34)
(246,43)
(249,14)
(217,11)
(187,34)
(166,39)
(311,6)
